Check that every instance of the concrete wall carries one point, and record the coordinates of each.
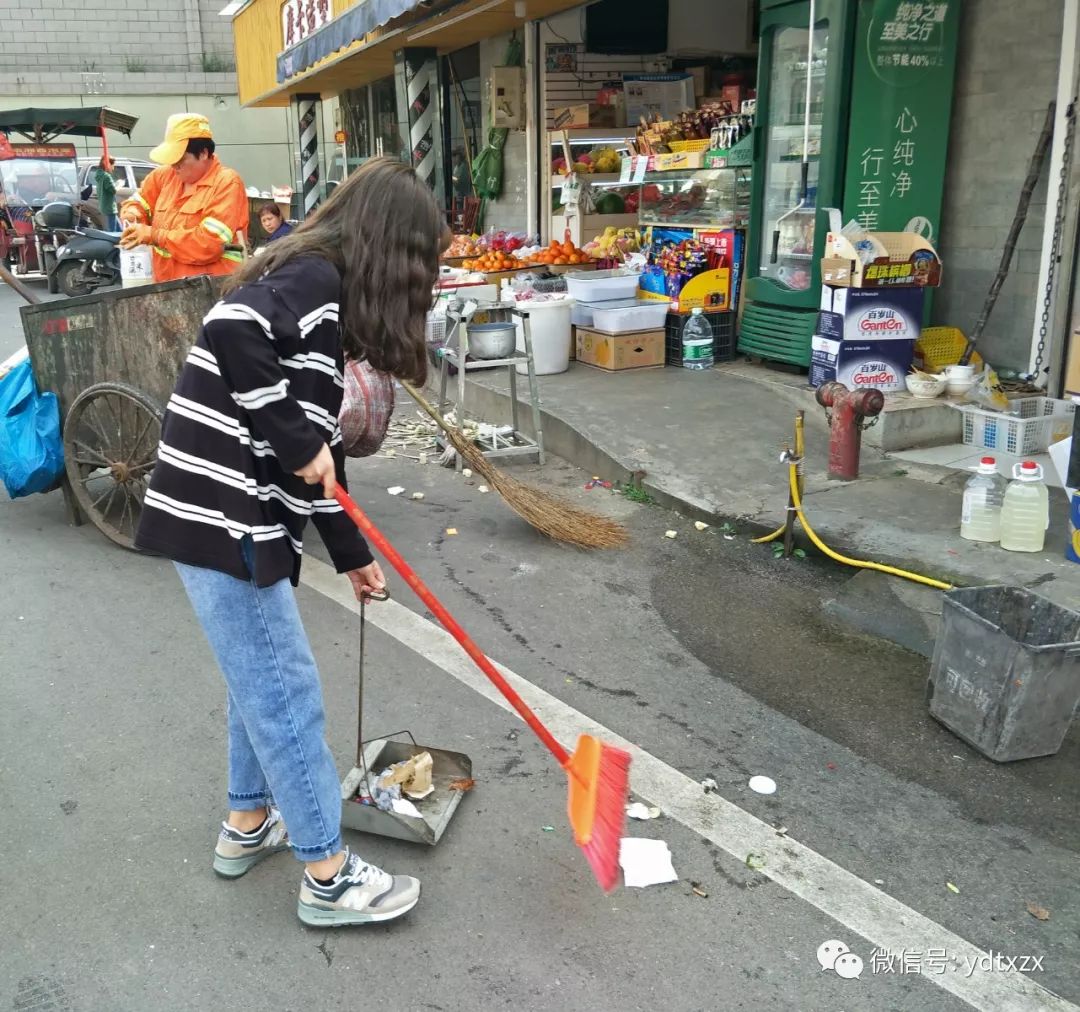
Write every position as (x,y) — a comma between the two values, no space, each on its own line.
(47,46)
(1006,76)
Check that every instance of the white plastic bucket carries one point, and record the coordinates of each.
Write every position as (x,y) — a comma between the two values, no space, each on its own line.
(136,267)
(549,327)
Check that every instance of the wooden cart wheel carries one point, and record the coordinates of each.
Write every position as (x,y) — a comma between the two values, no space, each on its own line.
(110,447)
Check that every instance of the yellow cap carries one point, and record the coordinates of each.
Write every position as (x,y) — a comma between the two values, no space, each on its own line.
(180,128)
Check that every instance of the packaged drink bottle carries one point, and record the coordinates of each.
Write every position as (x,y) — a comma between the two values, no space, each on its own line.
(697,342)
(1025,510)
(980,518)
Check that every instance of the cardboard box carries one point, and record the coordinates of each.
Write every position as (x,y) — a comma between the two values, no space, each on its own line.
(620,352)
(584,115)
(883,260)
(1072,366)
(571,117)
(856,315)
(710,290)
(866,338)
(657,95)
(677,160)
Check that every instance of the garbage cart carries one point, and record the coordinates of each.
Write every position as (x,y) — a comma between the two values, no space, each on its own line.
(112,358)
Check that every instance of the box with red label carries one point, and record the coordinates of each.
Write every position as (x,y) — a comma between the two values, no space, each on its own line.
(879,260)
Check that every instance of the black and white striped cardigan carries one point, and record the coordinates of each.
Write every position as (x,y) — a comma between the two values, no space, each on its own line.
(257,398)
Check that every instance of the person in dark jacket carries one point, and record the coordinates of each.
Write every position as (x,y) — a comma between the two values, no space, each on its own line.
(250,450)
(274,225)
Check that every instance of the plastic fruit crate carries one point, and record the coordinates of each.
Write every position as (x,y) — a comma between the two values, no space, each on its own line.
(723,330)
(1031,425)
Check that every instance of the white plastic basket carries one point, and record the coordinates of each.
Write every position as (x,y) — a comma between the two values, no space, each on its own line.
(436,330)
(1030,426)
(623,319)
(602,286)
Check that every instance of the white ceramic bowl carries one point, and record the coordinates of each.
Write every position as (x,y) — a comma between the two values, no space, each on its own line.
(926,387)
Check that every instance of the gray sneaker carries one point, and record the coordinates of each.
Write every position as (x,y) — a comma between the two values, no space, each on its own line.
(359,894)
(237,853)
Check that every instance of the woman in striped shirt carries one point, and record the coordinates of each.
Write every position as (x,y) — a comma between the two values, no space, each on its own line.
(250,449)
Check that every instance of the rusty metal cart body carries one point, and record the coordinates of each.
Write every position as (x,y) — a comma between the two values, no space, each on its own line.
(112,359)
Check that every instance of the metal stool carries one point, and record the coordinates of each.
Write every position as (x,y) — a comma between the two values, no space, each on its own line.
(515,443)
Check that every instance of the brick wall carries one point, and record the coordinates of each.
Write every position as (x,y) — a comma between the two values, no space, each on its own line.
(57,47)
(1006,76)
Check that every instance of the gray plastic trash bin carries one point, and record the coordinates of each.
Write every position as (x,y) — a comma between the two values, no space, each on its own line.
(1006,671)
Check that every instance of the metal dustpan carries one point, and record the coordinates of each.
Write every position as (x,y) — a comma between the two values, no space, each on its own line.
(375,755)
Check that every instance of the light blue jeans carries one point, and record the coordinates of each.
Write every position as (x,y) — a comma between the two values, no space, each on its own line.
(277,745)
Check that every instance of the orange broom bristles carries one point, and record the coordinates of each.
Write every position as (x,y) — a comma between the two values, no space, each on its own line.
(599,785)
(599,773)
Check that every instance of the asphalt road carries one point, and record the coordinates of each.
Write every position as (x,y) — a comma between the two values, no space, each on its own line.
(703,651)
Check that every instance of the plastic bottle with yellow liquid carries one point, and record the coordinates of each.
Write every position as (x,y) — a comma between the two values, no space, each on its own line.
(1025,511)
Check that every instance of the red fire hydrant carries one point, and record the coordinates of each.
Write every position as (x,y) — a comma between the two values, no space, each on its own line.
(849,408)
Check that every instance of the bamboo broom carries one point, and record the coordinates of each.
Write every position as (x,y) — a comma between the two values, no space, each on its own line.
(549,514)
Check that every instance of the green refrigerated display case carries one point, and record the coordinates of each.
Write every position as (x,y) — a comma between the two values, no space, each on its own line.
(855,116)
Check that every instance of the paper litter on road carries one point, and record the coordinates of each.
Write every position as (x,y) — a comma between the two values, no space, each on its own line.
(482,488)
(645,862)
(671,534)
(763,785)
(643,812)
(466,473)
(417,496)
(395,490)
(698,525)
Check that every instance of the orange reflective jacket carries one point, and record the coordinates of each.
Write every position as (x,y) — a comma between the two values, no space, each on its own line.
(190,231)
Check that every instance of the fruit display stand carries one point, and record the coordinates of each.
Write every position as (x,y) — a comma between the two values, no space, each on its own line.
(574,150)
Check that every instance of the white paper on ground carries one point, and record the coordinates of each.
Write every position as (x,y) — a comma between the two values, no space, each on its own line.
(645,862)
(1059,454)
(403,807)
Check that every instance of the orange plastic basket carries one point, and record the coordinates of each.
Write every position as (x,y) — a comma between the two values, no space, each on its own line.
(939,347)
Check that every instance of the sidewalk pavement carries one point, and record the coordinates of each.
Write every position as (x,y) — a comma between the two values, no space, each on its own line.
(709,445)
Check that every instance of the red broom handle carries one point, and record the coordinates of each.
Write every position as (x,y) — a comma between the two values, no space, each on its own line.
(387,550)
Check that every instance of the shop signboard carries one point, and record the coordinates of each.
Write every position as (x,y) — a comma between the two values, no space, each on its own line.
(901,97)
(301,18)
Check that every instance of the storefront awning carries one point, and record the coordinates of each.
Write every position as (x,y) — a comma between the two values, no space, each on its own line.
(346,28)
(344,54)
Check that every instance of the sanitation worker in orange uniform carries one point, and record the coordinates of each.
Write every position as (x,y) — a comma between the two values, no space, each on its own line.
(192,210)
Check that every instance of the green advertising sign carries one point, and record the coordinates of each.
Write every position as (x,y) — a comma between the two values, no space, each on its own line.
(901,99)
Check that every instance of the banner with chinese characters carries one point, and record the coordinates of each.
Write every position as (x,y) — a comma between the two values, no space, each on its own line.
(301,18)
(901,100)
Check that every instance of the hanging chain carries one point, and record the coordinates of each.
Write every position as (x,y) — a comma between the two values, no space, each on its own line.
(1059,227)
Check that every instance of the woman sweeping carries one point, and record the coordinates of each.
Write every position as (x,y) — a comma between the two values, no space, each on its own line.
(250,449)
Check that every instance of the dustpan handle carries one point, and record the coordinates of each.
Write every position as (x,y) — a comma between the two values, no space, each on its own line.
(382,595)
(372,533)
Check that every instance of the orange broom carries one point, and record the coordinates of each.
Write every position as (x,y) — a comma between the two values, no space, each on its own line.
(599,774)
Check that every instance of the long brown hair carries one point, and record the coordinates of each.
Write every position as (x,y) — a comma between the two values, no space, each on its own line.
(384,232)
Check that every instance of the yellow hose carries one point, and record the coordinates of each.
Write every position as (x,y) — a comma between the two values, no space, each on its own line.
(793,482)
(800,452)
